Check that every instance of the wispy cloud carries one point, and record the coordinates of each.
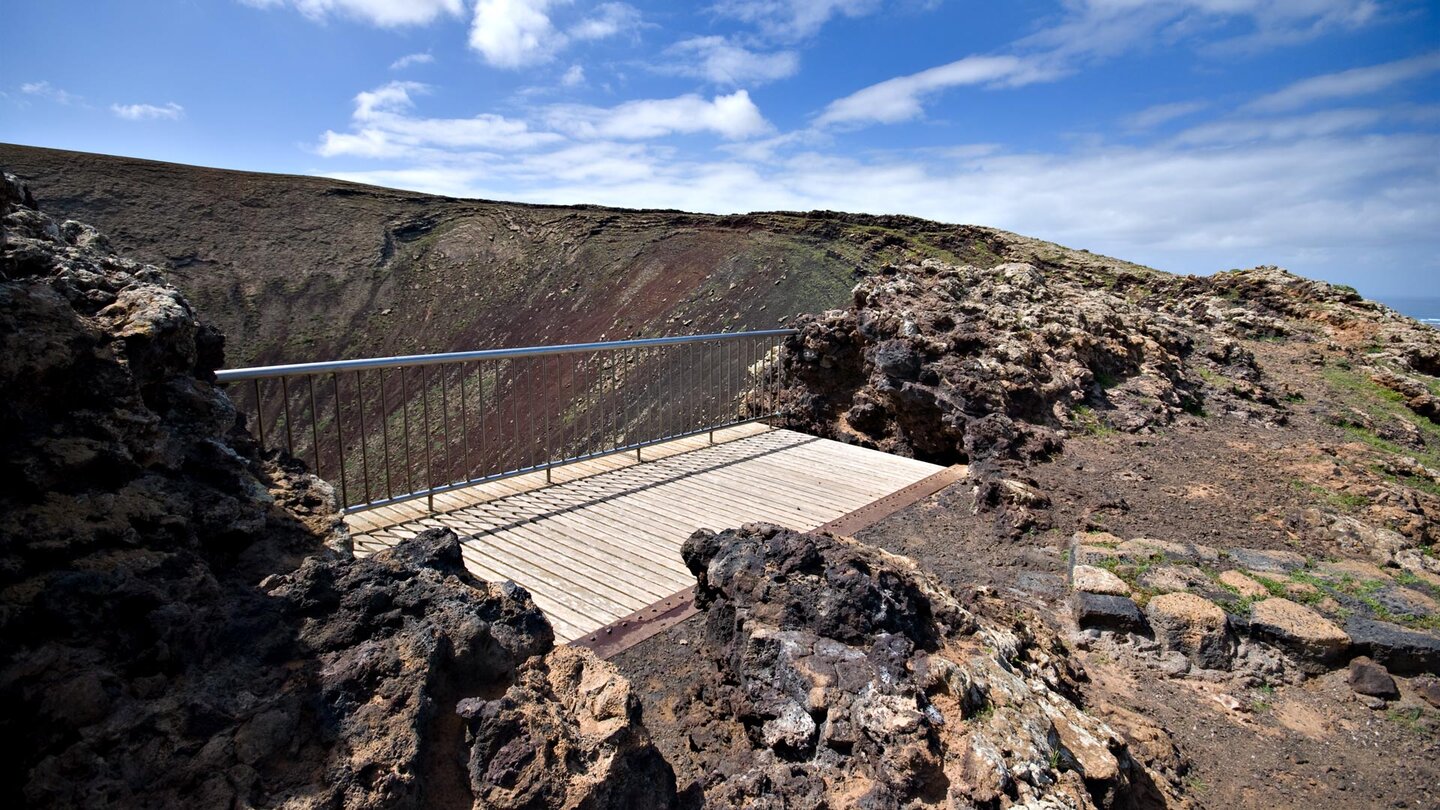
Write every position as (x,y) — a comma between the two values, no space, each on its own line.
(149,112)
(790,20)
(725,63)
(1109,27)
(383,13)
(1361,81)
(1152,117)
(900,99)
(608,20)
(574,76)
(49,91)
(1096,29)
(411,60)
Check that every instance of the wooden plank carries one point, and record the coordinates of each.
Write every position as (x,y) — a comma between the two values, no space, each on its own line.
(604,540)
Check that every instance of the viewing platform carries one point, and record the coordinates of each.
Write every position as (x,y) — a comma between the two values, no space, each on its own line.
(602,542)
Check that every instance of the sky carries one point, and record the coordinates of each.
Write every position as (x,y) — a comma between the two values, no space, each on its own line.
(1189,135)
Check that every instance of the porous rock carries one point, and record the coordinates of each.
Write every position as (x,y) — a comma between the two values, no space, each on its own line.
(1090,579)
(1194,626)
(182,622)
(1243,585)
(1314,640)
(861,681)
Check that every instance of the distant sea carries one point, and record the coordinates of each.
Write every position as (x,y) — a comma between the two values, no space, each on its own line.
(1425,310)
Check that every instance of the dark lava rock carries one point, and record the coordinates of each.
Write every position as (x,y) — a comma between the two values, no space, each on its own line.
(951,363)
(1106,612)
(853,679)
(1270,562)
(1369,678)
(1402,651)
(182,623)
(1428,688)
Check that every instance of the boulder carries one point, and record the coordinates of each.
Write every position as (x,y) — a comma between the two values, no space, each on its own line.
(851,678)
(1166,578)
(1369,678)
(1090,579)
(1107,612)
(1194,626)
(1312,639)
(1428,688)
(1243,585)
(1402,651)
(1268,562)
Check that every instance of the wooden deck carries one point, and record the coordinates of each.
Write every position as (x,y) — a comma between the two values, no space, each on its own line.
(604,539)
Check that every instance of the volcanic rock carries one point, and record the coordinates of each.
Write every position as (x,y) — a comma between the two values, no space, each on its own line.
(1369,678)
(1194,626)
(1314,640)
(861,681)
(182,622)
(1402,651)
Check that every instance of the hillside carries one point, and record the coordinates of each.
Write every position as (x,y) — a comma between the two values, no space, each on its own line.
(295,269)
(1196,560)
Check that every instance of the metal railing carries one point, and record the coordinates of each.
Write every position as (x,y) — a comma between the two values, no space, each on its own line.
(391,429)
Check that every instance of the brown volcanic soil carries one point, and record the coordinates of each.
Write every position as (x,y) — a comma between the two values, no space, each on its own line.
(1232,475)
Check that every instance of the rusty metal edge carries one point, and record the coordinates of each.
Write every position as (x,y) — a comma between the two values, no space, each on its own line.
(627,631)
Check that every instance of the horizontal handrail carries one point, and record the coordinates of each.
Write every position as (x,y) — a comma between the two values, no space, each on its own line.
(390,429)
(365,364)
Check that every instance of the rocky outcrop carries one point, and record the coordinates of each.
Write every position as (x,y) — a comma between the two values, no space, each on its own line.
(860,681)
(182,622)
(952,363)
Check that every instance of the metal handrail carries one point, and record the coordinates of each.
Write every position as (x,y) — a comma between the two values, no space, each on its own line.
(495,413)
(368,363)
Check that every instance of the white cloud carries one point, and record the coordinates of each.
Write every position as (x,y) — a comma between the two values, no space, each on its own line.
(1315,125)
(515,33)
(574,76)
(734,116)
(721,61)
(793,19)
(148,112)
(609,20)
(384,13)
(1349,83)
(410,60)
(1109,27)
(519,33)
(384,128)
(47,90)
(1152,117)
(899,99)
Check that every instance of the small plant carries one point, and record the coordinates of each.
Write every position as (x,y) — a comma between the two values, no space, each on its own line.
(1090,422)
(1407,717)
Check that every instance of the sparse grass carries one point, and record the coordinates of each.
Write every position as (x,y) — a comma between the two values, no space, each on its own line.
(1344,501)
(1408,718)
(1357,390)
(1090,422)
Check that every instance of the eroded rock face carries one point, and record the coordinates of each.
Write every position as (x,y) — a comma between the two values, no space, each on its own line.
(182,623)
(860,681)
(956,362)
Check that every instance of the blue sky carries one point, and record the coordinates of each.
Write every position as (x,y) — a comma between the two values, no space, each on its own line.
(1191,135)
